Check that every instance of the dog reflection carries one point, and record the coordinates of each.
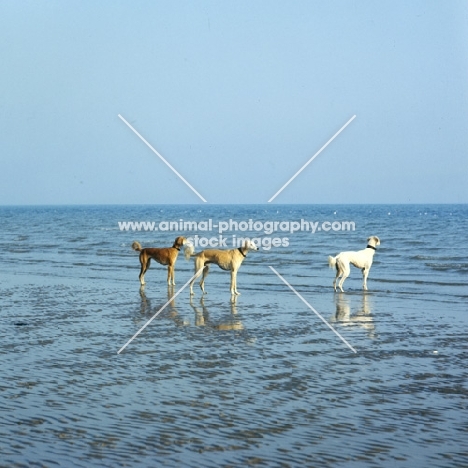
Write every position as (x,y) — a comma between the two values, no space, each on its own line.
(361,318)
(145,304)
(202,316)
(170,310)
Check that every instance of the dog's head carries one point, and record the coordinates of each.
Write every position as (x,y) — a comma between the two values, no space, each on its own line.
(249,245)
(179,242)
(373,241)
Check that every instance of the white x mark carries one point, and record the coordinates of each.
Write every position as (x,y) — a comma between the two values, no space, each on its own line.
(311,159)
(158,312)
(162,159)
(313,310)
(270,200)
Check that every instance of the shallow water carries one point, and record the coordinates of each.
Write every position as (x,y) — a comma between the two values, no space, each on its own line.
(214,382)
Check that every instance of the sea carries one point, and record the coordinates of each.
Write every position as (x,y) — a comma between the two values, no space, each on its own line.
(289,373)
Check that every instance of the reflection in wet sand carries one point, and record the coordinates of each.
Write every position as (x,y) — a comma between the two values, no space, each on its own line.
(361,317)
(145,305)
(171,311)
(202,316)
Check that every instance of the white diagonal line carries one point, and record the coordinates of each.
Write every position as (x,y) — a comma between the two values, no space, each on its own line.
(158,312)
(313,310)
(311,159)
(162,159)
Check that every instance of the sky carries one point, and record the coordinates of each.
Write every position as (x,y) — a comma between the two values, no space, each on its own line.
(237,96)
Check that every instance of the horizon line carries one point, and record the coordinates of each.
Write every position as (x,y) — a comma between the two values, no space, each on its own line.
(266,204)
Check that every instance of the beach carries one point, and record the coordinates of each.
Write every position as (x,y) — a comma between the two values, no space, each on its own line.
(256,379)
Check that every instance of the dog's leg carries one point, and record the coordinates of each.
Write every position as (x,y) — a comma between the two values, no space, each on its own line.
(205,274)
(339,272)
(198,266)
(145,263)
(336,278)
(234,283)
(365,274)
(345,272)
(170,275)
(141,277)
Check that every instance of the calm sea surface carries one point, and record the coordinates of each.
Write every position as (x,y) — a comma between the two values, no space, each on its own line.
(256,381)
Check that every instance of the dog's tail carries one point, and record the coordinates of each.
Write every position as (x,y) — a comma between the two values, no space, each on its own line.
(331,261)
(136,246)
(189,251)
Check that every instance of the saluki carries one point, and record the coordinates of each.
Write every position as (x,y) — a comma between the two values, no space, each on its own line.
(361,259)
(164,256)
(229,260)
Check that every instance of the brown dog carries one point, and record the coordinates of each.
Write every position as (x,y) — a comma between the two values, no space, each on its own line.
(164,256)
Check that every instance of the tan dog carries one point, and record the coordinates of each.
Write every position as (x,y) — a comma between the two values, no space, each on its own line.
(164,256)
(229,260)
(361,259)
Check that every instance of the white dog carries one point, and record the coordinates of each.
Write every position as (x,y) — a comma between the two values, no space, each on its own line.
(361,259)
(229,260)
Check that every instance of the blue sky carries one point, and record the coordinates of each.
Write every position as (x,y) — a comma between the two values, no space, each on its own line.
(237,96)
